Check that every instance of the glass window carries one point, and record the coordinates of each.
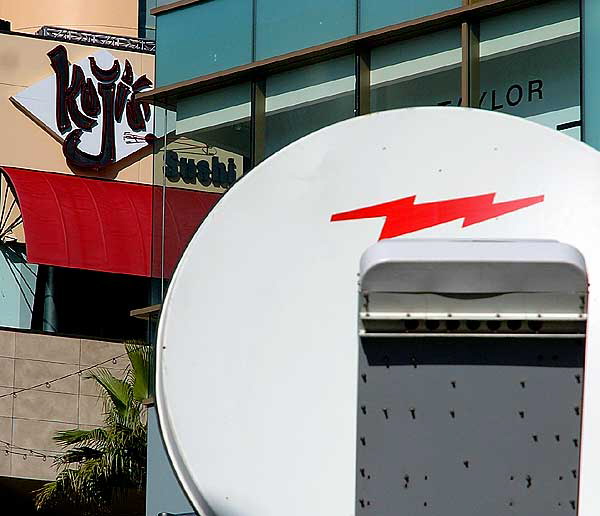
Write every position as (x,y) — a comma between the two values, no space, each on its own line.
(203,38)
(17,286)
(375,14)
(282,27)
(164,129)
(530,65)
(146,22)
(301,101)
(423,71)
(203,148)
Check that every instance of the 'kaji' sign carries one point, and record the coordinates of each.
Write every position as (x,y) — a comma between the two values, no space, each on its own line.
(89,106)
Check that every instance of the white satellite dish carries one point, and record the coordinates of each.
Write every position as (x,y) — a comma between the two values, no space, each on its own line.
(257,346)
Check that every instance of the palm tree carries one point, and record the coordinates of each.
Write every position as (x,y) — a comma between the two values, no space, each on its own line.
(104,466)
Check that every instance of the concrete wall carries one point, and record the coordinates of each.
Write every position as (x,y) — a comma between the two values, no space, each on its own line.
(30,419)
(109,16)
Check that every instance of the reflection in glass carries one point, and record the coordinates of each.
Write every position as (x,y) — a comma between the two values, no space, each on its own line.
(530,65)
(202,38)
(375,14)
(423,71)
(283,27)
(213,131)
(301,101)
(202,149)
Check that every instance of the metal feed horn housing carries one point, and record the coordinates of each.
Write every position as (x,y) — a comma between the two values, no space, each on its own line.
(468,287)
(471,357)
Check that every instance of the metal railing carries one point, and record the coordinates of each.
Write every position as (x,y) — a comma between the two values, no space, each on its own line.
(98,39)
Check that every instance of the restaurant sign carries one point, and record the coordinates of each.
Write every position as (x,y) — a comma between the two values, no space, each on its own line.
(90,108)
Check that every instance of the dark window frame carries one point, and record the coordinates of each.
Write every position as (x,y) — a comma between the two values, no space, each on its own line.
(465,19)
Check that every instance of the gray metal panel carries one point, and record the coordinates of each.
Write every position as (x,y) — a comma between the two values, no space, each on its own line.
(163,492)
(472,266)
(469,427)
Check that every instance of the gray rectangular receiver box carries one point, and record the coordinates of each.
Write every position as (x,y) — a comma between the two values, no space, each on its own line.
(464,410)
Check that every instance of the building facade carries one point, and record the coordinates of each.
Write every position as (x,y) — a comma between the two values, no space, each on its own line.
(237,80)
(76,199)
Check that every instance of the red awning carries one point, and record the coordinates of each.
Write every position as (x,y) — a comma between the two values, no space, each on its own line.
(70,221)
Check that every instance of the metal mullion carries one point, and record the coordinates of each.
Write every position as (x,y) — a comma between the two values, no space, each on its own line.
(582,63)
(362,97)
(469,83)
(258,121)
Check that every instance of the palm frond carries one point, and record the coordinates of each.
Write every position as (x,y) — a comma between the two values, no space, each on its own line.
(118,391)
(140,356)
(102,465)
(79,436)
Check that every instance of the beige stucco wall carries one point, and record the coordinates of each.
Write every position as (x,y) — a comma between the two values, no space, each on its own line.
(108,16)
(30,419)
(23,62)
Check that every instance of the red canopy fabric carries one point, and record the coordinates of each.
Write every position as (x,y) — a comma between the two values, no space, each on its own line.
(82,223)
(184,212)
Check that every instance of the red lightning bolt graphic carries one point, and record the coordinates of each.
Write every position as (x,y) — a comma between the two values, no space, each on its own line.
(404,216)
